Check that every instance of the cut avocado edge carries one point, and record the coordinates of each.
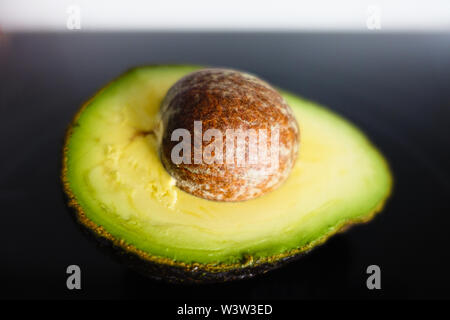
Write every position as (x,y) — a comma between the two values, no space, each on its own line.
(203,269)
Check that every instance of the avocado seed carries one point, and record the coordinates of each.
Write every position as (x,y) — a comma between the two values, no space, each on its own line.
(227,135)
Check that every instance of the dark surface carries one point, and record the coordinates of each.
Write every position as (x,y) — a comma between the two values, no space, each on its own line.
(395,87)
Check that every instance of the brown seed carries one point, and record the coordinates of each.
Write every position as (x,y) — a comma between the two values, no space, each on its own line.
(243,157)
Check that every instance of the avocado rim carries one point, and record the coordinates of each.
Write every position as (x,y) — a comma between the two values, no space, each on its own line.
(146,263)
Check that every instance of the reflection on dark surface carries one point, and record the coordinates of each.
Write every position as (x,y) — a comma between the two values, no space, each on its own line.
(395,87)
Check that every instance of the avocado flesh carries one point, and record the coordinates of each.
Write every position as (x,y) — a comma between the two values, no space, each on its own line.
(115,180)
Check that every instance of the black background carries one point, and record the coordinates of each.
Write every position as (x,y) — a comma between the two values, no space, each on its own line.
(396,87)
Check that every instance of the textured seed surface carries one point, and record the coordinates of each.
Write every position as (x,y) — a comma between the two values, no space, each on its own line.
(227,99)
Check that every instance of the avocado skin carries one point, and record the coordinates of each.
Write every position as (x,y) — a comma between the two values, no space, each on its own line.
(180,273)
(174,274)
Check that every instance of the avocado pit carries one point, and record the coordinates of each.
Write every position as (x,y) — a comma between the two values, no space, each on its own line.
(227,135)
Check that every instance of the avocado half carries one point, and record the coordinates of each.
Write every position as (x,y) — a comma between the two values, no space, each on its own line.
(121,193)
